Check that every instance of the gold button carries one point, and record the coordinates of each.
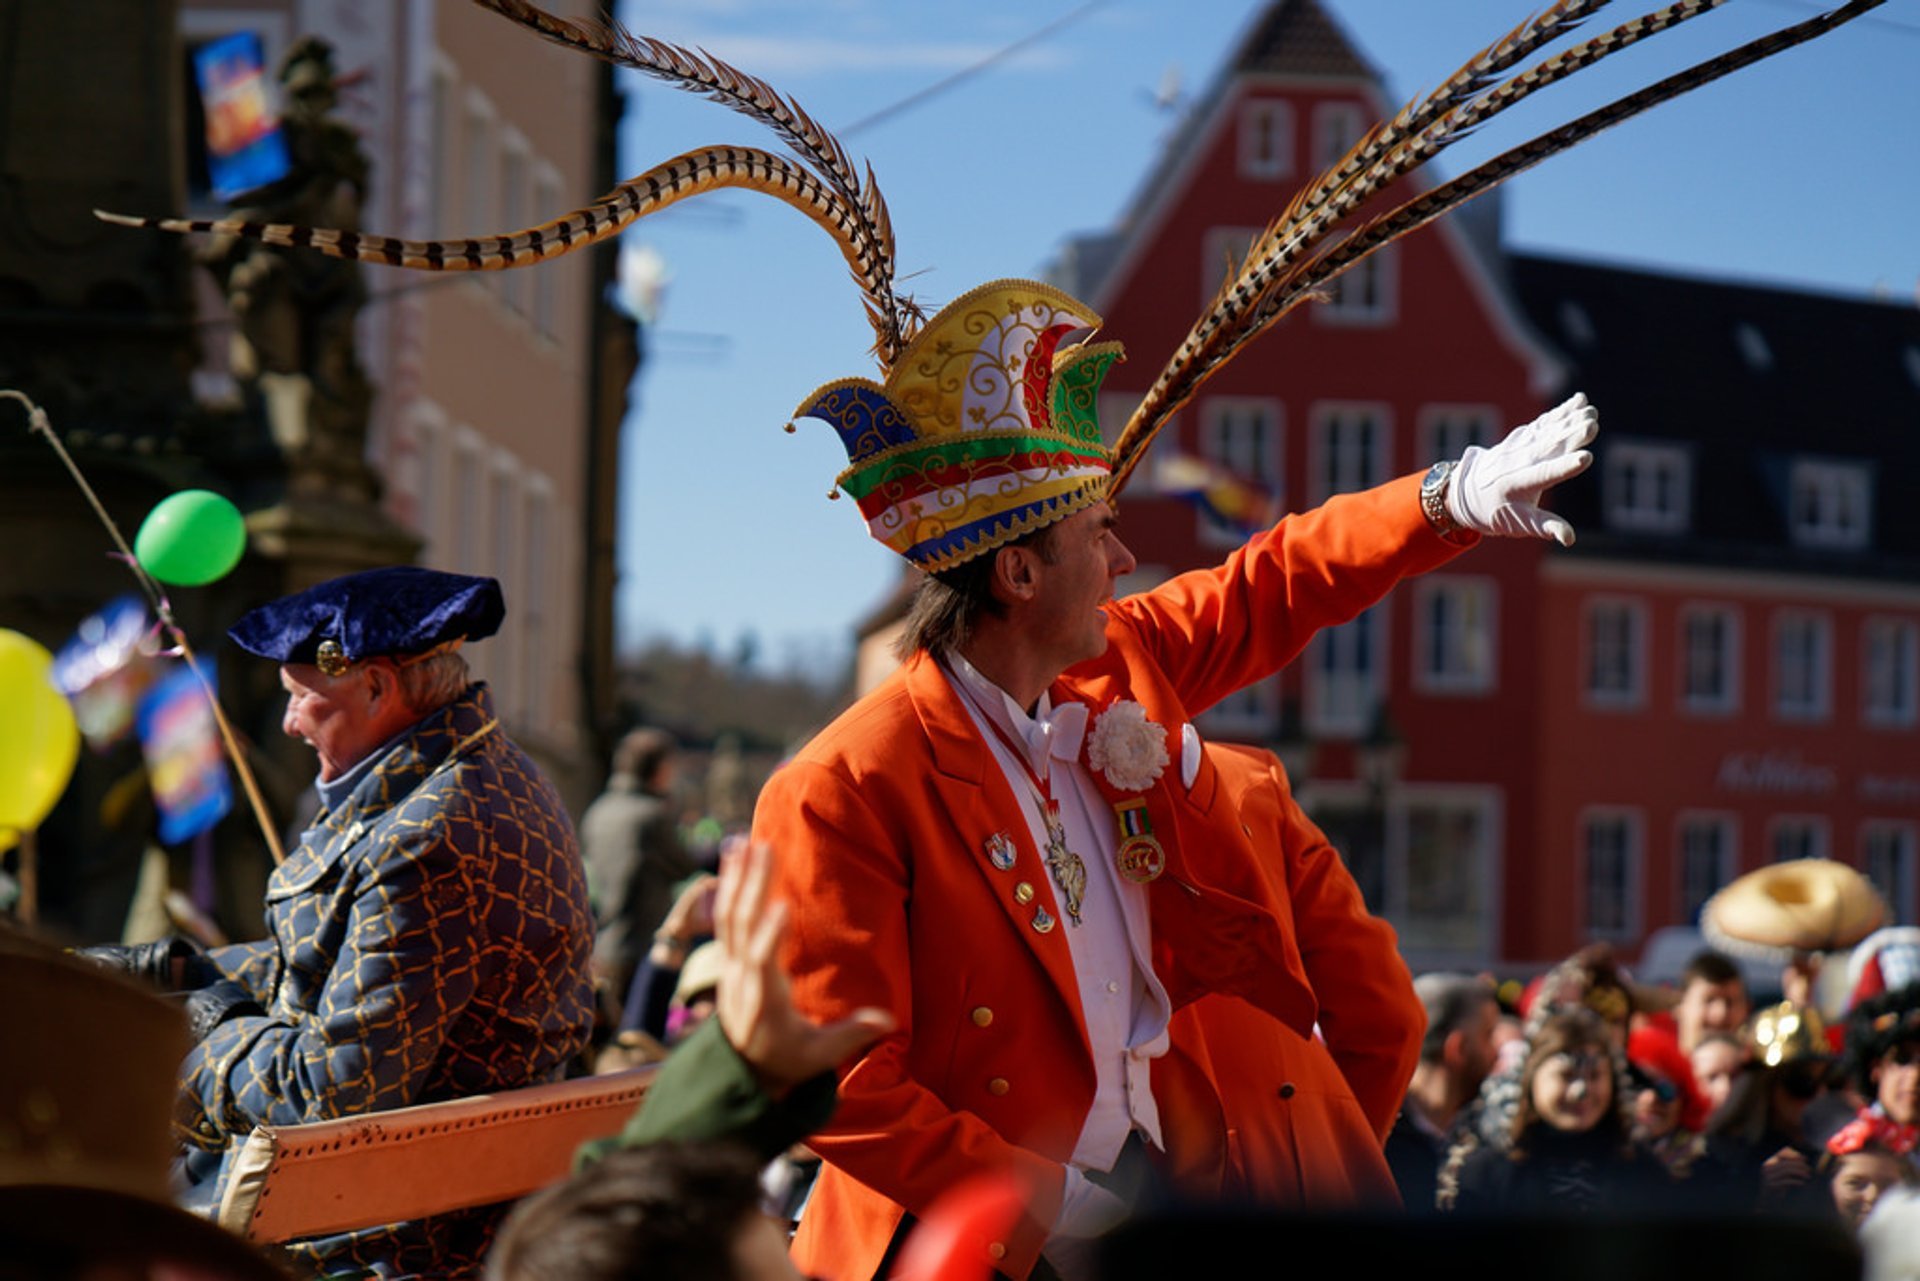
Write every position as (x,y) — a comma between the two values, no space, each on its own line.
(982,1016)
(1023,893)
(998,1085)
(996,1251)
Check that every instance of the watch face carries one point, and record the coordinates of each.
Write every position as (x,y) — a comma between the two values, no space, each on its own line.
(1435,474)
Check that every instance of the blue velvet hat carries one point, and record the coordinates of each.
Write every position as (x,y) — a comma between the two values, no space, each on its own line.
(378,613)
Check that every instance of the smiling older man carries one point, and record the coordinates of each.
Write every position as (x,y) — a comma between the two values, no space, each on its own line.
(429,937)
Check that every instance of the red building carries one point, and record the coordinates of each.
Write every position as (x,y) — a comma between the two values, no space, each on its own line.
(1533,747)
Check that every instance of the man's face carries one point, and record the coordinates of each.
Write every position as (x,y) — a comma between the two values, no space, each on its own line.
(1709,1007)
(1896,1082)
(332,714)
(1715,1065)
(1477,1048)
(1083,558)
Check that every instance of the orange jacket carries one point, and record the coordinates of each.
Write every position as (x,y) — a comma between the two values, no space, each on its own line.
(883,826)
(1306,1120)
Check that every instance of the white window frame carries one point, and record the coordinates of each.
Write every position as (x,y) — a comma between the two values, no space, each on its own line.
(1630,824)
(443,110)
(1814,702)
(1219,247)
(1896,843)
(1456,634)
(1253,710)
(1343,695)
(546,277)
(1725,856)
(1365,295)
(536,600)
(429,476)
(1265,140)
(478,161)
(1480,876)
(1631,695)
(1816,828)
(1727,700)
(1648,488)
(1445,431)
(1336,127)
(1830,504)
(1889,672)
(516,195)
(1224,436)
(469,496)
(1336,462)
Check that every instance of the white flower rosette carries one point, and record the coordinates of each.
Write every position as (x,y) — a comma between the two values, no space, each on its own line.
(1126,748)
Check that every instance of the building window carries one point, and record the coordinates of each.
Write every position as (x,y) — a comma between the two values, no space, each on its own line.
(1345,675)
(1364,294)
(1888,658)
(1611,845)
(429,475)
(516,283)
(535,612)
(1616,653)
(1252,710)
(1439,890)
(1710,659)
(546,277)
(1350,449)
(1887,857)
(1336,127)
(1266,140)
(476,155)
(1796,836)
(1802,665)
(1243,436)
(1455,625)
(442,131)
(1222,251)
(1829,504)
(1706,860)
(1647,488)
(468,502)
(1447,430)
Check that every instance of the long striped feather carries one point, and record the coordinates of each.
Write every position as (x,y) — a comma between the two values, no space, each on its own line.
(1246,309)
(702,73)
(685,176)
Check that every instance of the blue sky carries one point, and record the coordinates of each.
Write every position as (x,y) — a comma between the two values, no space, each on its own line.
(1804,170)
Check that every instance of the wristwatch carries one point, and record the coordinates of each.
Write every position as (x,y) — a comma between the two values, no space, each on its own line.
(1433,502)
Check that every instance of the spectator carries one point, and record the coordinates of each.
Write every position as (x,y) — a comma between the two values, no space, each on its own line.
(1869,1155)
(1713,998)
(1716,1063)
(1759,1155)
(1570,1151)
(1883,1047)
(630,840)
(1456,1055)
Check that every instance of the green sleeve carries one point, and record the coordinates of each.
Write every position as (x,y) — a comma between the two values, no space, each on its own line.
(705,1091)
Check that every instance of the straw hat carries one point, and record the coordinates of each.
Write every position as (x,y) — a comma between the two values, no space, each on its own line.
(1806,905)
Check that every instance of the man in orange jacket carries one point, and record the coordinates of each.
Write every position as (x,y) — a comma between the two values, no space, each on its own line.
(1016,845)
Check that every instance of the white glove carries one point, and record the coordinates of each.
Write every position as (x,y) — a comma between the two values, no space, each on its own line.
(1497,490)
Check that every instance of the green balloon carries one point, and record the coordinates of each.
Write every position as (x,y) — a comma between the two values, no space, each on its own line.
(191,538)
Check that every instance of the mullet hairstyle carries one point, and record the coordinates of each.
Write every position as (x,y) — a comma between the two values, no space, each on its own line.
(947,605)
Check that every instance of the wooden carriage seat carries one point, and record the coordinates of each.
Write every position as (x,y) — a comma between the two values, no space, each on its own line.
(296,1181)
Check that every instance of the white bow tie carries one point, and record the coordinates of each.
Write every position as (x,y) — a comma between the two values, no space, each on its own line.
(1059,732)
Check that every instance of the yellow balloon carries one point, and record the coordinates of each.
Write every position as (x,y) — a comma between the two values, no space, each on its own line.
(39,741)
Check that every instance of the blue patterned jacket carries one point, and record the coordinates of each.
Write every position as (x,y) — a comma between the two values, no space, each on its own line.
(429,939)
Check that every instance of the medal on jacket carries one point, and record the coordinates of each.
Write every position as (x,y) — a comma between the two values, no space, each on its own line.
(1069,869)
(1140,857)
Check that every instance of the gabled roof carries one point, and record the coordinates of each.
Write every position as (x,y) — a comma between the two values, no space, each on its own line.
(1749,378)
(1297,38)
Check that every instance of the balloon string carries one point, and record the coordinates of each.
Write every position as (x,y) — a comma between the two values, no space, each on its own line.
(37,421)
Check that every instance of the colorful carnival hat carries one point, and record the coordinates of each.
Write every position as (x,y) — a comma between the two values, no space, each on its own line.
(942,469)
(984,430)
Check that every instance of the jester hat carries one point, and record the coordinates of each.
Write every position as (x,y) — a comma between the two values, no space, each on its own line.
(983,430)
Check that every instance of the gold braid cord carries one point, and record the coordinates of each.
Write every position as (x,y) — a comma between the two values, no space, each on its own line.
(683,177)
(1293,258)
